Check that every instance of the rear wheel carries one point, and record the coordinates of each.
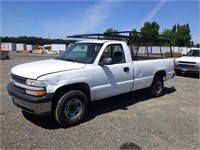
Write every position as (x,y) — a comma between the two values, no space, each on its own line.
(157,86)
(72,108)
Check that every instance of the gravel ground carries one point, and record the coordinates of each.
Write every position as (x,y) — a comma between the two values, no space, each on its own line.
(131,120)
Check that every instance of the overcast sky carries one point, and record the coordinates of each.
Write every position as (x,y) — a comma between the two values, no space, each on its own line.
(57,19)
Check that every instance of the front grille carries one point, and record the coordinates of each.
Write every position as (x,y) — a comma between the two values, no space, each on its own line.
(18,79)
(186,66)
(187,62)
(19,89)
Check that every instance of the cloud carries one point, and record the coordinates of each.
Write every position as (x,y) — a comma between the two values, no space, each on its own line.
(90,19)
(95,15)
(155,10)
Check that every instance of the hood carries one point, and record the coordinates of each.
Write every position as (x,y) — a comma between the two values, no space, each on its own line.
(189,59)
(35,69)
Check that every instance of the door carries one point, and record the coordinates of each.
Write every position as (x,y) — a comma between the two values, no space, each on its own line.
(114,78)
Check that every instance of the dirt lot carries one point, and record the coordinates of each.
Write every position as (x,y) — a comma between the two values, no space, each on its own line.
(168,122)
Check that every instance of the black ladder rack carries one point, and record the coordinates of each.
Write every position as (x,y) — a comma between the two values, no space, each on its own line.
(128,37)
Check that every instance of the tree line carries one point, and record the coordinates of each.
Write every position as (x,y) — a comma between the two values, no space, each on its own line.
(35,40)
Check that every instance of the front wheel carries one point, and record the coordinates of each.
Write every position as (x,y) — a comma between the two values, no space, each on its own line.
(72,108)
(157,86)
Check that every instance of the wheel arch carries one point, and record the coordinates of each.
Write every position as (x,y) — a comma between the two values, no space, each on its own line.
(161,73)
(83,87)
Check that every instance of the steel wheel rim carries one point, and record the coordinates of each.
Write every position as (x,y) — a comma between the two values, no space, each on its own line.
(158,87)
(73,109)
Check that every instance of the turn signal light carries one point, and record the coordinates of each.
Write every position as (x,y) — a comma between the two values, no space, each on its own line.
(36,93)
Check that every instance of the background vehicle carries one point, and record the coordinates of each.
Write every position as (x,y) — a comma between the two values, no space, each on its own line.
(189,63)
(4,54)
(87,71)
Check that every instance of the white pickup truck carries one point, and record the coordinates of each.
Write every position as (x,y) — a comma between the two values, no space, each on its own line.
(87,71)
(189,63)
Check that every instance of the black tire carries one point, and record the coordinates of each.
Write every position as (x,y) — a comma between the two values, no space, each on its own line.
(157,86)
(72,108)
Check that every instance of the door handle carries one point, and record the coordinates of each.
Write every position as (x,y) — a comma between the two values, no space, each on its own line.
(126,69)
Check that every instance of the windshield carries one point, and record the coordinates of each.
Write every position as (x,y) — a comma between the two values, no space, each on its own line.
(81,52)
(194,53)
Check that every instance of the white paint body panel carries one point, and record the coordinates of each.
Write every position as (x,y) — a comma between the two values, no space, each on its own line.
(33,70)
(146,69)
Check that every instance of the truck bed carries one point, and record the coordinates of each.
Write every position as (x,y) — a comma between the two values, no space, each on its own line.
(145,71)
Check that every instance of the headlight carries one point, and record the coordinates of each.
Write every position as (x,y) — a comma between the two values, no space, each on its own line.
(37,87)
(198,64)
(176,62)
(35,82)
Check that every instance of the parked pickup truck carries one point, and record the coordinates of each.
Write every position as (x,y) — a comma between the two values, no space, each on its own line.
(189,63)
(87,71)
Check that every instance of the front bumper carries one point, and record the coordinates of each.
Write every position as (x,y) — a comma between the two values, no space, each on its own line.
(193,70)
(31,104)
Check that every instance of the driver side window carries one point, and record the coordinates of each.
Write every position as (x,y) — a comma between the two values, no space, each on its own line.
(115,52)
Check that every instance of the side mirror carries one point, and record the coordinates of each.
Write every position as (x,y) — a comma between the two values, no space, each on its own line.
(105,61)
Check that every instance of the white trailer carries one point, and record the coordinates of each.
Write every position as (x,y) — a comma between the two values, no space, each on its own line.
(8,46)
(58,47)
(29,47)
(20,46)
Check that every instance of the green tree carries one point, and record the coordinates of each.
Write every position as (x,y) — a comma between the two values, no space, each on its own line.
(150,32)
(135,36)
(174,29)
(191,43)
(146,28)
(179,35)
(169,33)
(182,36)
(134,32)
(108,31)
